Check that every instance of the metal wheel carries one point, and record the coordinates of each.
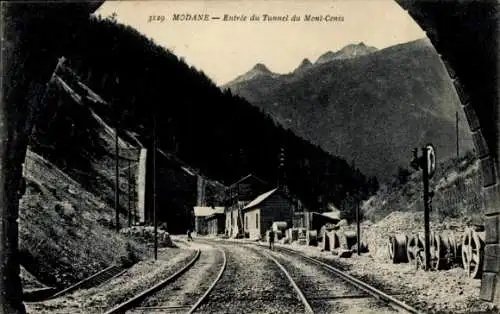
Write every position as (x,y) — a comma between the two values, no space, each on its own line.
(414,245)
(435,251)
(472,253)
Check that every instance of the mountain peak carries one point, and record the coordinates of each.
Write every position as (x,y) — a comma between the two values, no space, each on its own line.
(305,64)
(257,70)
(261,67)
(347,52)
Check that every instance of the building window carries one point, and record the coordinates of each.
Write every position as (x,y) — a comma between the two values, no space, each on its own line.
(257,220)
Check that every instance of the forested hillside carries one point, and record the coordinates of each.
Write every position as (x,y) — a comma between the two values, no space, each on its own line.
(372,106)
(218,133)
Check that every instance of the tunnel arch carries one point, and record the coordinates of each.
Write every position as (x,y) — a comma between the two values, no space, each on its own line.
(465,35)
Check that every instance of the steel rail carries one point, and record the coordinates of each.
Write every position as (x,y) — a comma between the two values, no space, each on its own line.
(130,303)
(207,292)
(302,297)
(393,302)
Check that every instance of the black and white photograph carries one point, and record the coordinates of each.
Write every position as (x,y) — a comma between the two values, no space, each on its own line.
(238,156)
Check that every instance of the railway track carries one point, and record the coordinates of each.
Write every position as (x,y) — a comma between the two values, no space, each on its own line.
(252,283)
(182,292)
(322,293)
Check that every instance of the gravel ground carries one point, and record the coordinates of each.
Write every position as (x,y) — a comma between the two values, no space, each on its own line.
(180,296)
(326,292)
(251,283)
(448,291)
(142,275)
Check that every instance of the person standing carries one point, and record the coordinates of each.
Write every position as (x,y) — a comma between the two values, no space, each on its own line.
(271,239)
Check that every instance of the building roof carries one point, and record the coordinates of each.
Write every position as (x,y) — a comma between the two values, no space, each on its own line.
(332,215)
(214,215)
(259,199)
(246,178)
(204,211)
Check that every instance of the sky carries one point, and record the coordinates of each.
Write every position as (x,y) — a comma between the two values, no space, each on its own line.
(225,49)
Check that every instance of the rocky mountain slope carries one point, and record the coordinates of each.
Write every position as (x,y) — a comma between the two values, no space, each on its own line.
(368,106)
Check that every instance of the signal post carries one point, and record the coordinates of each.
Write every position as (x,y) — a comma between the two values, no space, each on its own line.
(427,163)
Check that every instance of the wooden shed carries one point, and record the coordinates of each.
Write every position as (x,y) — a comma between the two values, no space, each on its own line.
(215,223)
(260,213)
(315,220)
(200,217)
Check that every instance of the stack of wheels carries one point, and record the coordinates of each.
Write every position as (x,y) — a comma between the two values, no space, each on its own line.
(439,249)
(312,238)
(473,252)
(414,245)
(397,248)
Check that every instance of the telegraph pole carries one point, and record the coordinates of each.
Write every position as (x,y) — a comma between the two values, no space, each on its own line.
(155,222)
(456,124)
(117,181)
(134,201)
(358,227)
(129,194)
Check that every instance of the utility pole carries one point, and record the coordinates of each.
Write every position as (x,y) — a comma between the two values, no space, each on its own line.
(426,162)
(425,177)
(155,222)
(134,200)
(129,194)
(358,226)
(117,179)
(456,124)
